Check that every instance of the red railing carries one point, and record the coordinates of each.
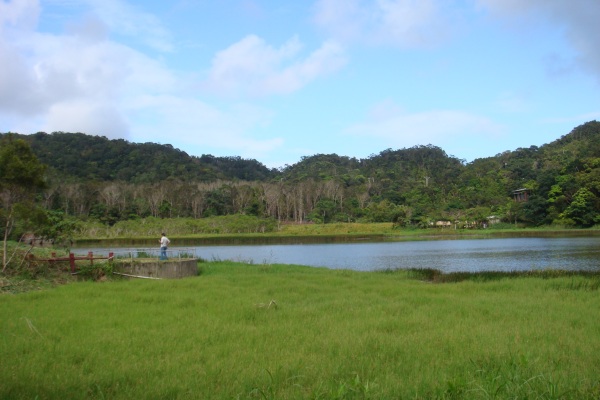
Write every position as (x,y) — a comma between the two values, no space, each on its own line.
(72,258)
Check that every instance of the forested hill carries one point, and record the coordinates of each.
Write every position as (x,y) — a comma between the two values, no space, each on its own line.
(95,158)
(87,157)
(112,180)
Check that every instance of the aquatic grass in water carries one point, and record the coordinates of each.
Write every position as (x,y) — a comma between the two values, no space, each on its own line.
(580,280)
(276,331)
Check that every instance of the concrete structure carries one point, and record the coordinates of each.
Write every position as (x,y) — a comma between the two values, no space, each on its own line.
(156,269)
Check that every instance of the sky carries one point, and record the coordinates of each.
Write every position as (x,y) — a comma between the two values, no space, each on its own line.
(276,80)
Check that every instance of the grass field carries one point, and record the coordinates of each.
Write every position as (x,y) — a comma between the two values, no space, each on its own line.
(288,332)
(242,226)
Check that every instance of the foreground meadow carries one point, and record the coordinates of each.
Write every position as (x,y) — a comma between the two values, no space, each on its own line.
(287,332)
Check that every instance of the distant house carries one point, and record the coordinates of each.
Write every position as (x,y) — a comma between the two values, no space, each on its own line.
(520,195)
(443,224)
(493,219)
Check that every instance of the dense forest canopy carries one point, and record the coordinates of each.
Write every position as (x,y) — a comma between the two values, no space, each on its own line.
(85,157)
(112,180)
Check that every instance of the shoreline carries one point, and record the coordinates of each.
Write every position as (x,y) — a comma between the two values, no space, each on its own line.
(339,237)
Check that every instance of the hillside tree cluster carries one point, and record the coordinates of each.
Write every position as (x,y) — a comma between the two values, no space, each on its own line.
(92,177)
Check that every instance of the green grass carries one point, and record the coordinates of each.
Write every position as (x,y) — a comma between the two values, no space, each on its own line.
(287,332)
(233,227)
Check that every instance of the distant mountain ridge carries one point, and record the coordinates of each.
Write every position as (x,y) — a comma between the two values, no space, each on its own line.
(82,156)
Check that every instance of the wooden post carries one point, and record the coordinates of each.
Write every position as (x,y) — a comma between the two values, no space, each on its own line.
(72,262)
(91,257)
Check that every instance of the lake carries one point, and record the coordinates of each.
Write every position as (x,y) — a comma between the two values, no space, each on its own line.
(459,255)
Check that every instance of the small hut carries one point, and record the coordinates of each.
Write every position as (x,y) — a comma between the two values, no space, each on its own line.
(520,195)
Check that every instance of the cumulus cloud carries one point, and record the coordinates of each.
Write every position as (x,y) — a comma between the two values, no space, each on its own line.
(406,23)
(579,19)
(17,86)
(253,67)
(82,81)
(69,82)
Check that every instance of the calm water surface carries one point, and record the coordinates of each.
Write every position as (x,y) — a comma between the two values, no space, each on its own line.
(516,254)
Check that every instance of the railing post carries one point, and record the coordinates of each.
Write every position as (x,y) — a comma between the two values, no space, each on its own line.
(91,257)
(72,262)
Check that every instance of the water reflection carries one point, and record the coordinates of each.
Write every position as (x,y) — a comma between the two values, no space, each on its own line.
(464,255)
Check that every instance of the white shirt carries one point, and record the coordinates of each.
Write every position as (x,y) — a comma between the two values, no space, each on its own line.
(164,242)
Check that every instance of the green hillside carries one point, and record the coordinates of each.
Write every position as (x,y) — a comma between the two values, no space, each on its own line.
(112,180)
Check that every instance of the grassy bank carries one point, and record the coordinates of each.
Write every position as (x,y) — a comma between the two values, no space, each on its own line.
(287,332)
(242,228)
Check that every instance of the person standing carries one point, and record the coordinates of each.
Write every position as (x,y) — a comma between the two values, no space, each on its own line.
(164,243)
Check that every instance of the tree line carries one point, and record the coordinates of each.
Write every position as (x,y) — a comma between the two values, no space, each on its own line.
(91,177)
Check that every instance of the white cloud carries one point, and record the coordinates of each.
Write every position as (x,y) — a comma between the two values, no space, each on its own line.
(419,23)
(17,87)
(130,21)
(73,83)
(574,119)
(88,117)
(413,22)
(22,14)
(82,81)
(444,128)
(328,58)
(90,28)
(578,18)
(189,123)
(343,19)
(252,67)
(69,82)
(406,23)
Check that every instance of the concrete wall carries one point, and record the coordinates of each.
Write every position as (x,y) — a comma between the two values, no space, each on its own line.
(169,269)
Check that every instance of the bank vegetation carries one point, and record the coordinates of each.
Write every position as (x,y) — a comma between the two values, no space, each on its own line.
(93,180)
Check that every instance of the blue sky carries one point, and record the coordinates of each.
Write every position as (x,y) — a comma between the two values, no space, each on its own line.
(279,80)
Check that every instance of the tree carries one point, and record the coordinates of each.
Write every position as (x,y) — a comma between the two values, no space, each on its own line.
(535,210)
(323,211)
(582,209)
(21,176)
